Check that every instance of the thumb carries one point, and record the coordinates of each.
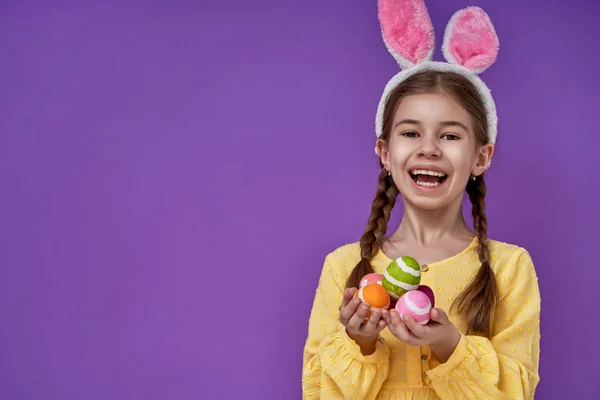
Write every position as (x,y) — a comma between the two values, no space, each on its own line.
(438,315)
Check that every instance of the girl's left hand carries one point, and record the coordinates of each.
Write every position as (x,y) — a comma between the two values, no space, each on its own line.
(439,334)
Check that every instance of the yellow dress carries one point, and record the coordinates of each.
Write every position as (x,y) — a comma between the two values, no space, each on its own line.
(503,367)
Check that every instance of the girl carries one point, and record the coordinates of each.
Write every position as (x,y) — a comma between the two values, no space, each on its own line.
(436,129)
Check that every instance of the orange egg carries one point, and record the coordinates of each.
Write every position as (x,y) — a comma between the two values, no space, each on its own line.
(374,294)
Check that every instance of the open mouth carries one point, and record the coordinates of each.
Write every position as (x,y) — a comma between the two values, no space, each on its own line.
(427,178)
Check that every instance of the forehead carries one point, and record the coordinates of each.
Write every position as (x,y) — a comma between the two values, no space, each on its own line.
(432,108)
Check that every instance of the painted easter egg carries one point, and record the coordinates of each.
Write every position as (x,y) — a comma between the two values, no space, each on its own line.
(416,304)
(429,292)
(375,295)
(371,278)
(402,275)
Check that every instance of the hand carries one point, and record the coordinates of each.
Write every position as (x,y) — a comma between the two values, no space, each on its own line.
(352,315)
(439,334)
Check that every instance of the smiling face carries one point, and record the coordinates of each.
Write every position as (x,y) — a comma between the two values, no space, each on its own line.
(432,149)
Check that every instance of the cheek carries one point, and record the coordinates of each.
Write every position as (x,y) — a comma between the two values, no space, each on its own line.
(399,153)
(462,160)
(398,159)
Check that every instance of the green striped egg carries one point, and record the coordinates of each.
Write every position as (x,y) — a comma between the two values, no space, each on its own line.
(401,276)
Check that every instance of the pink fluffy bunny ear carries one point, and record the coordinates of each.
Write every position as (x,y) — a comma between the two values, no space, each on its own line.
(470,40)
(407,31)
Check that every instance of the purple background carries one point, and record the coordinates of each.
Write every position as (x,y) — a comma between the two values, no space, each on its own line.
(174,172)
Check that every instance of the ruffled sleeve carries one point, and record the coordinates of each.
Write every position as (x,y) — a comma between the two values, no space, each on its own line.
(505,366)
(333,365)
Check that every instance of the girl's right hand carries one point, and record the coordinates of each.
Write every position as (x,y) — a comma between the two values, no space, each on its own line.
(352,315)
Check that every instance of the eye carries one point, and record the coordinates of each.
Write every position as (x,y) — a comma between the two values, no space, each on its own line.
(410,134)
(450,136)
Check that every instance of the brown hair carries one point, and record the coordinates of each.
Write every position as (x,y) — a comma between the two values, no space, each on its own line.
(478,300)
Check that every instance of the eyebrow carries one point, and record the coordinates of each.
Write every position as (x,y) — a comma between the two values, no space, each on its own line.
(454,123)
(443,123)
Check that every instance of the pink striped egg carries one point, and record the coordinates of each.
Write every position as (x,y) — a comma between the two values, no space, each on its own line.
(371,278)
(416,304)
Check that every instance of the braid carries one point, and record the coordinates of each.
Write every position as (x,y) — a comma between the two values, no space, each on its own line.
(478,301)
(381,209)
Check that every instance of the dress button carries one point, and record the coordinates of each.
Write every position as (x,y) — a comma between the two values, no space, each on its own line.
(382,339)
(424,267)
(423,357)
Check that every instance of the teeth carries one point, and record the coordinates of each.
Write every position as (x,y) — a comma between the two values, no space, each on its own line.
(425,172)
(428,184)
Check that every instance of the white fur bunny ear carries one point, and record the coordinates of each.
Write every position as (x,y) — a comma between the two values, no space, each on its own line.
(407,31)
(470,40)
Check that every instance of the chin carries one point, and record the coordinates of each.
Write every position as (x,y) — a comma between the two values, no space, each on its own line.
(428,204)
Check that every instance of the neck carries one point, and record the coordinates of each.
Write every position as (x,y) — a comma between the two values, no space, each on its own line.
(427,227)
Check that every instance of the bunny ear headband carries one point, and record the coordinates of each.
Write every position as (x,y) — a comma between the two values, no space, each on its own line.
(470,47)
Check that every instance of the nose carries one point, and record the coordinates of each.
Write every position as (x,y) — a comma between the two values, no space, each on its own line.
(429,147)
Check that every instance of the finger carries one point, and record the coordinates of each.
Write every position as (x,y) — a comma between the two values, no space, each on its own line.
(385,315)
(349,310)
(438,315)
(395,318)
(359,316)
(402,331)
(397,331)
(398,325)
(371,325)
(417,329)
(348,294)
